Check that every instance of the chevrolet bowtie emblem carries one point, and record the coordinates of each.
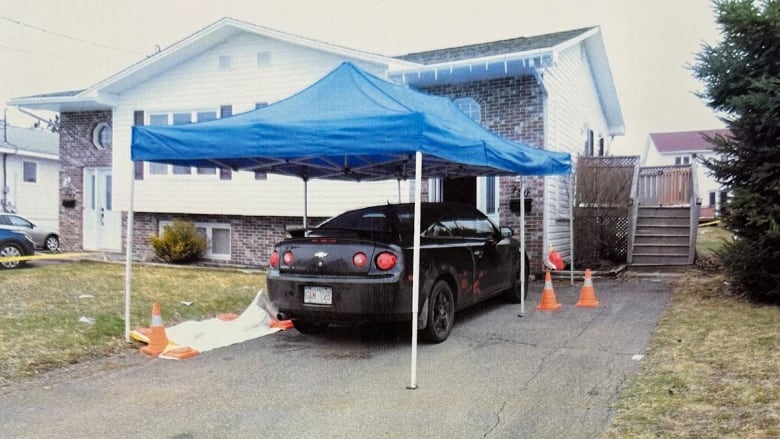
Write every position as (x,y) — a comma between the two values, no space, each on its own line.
(321,255)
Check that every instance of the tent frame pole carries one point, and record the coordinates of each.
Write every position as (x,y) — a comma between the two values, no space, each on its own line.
(129,254)
(305,203)
(522,247)
(416,263)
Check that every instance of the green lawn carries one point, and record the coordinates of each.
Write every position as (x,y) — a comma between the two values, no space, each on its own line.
(43,309)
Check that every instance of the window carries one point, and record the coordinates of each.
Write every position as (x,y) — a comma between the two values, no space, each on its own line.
(101,136)
(261,176)
(712,199)
(470,108)
(30,172)
(181,118)
(217,237)
(263,59)
(225,62)
(682,160)
(589,144)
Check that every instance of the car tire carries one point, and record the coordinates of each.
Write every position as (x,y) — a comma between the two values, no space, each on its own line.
(515,294)
(309,328)
(52,243)
(10,251)
(441,313)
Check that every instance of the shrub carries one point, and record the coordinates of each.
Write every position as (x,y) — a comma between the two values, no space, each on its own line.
(178,243)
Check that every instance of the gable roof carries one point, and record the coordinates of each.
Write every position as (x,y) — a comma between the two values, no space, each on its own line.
(685,141)
(516,56)
(104,94)
(503,47)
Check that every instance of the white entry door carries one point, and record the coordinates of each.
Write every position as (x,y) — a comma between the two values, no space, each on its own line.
(102,224)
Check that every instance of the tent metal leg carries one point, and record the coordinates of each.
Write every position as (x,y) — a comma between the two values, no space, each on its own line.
(416,268)
(129,255)
(522,247)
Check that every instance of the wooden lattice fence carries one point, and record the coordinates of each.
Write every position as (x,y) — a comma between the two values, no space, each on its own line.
(601,212)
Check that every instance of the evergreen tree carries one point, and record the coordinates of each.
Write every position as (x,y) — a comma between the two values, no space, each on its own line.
(741,75)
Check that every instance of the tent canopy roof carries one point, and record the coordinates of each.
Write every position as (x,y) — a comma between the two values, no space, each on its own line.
(350,125)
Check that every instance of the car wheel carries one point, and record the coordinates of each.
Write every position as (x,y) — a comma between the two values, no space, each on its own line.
(10,251)
(309,328)
(516,293)
(441,313)
(52,243)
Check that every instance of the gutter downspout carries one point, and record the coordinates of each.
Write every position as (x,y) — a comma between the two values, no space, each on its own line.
(4,201)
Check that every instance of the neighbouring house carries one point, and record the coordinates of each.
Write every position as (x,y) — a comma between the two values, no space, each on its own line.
(552,91)
(684,148)
(29,174)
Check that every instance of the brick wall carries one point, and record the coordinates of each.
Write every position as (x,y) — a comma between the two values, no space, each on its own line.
(76,153)
(251,237)
(514,109)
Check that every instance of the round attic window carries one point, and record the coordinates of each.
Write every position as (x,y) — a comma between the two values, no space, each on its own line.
(101,136)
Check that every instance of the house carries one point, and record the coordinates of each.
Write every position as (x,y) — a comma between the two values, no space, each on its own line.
(29,174)
(683,148)
(553,91)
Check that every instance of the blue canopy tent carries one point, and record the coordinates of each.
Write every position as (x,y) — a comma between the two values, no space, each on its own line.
(349,125)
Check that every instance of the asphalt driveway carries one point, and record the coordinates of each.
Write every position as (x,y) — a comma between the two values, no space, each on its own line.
(548,374)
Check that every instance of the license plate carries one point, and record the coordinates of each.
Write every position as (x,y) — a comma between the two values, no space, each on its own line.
(318,295)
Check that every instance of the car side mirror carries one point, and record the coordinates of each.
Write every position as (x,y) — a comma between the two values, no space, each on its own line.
(506,232)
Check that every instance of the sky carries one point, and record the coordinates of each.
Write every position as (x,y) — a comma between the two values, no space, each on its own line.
(51,45)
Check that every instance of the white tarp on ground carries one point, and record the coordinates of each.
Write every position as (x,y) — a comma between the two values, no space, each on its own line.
(215,333)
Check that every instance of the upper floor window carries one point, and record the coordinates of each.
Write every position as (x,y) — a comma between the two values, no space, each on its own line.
(682,160)
(225,62)
(30,172)
(470,108)
(180,118)
(263,59)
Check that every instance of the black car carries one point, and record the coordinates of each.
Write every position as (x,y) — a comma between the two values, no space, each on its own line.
(14,244)
(357,267)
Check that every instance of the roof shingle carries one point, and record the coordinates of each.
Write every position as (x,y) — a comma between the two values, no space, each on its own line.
(685,140)
(514,45)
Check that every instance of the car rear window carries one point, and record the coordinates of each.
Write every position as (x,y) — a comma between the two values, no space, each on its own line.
(365,220)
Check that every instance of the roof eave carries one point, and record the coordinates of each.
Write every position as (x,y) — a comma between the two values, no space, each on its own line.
(82,102)
(487,67)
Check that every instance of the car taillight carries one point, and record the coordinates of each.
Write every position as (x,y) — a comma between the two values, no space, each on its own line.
(386,261)
(359,260)
(288,258)
(275,259)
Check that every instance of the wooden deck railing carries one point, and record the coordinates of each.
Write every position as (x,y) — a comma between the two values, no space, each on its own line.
(665,186)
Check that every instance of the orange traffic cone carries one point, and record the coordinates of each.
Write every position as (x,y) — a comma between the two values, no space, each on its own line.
(588,294)
(549,303)
(158,340)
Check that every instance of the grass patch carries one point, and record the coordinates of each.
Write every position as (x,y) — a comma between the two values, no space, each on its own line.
(711,238)
(712,369)
(60,314)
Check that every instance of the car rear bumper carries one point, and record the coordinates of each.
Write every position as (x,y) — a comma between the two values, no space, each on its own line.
(353,299)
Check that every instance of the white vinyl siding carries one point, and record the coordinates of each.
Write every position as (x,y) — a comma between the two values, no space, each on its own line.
(39,201)
(197,85)
(573,110)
